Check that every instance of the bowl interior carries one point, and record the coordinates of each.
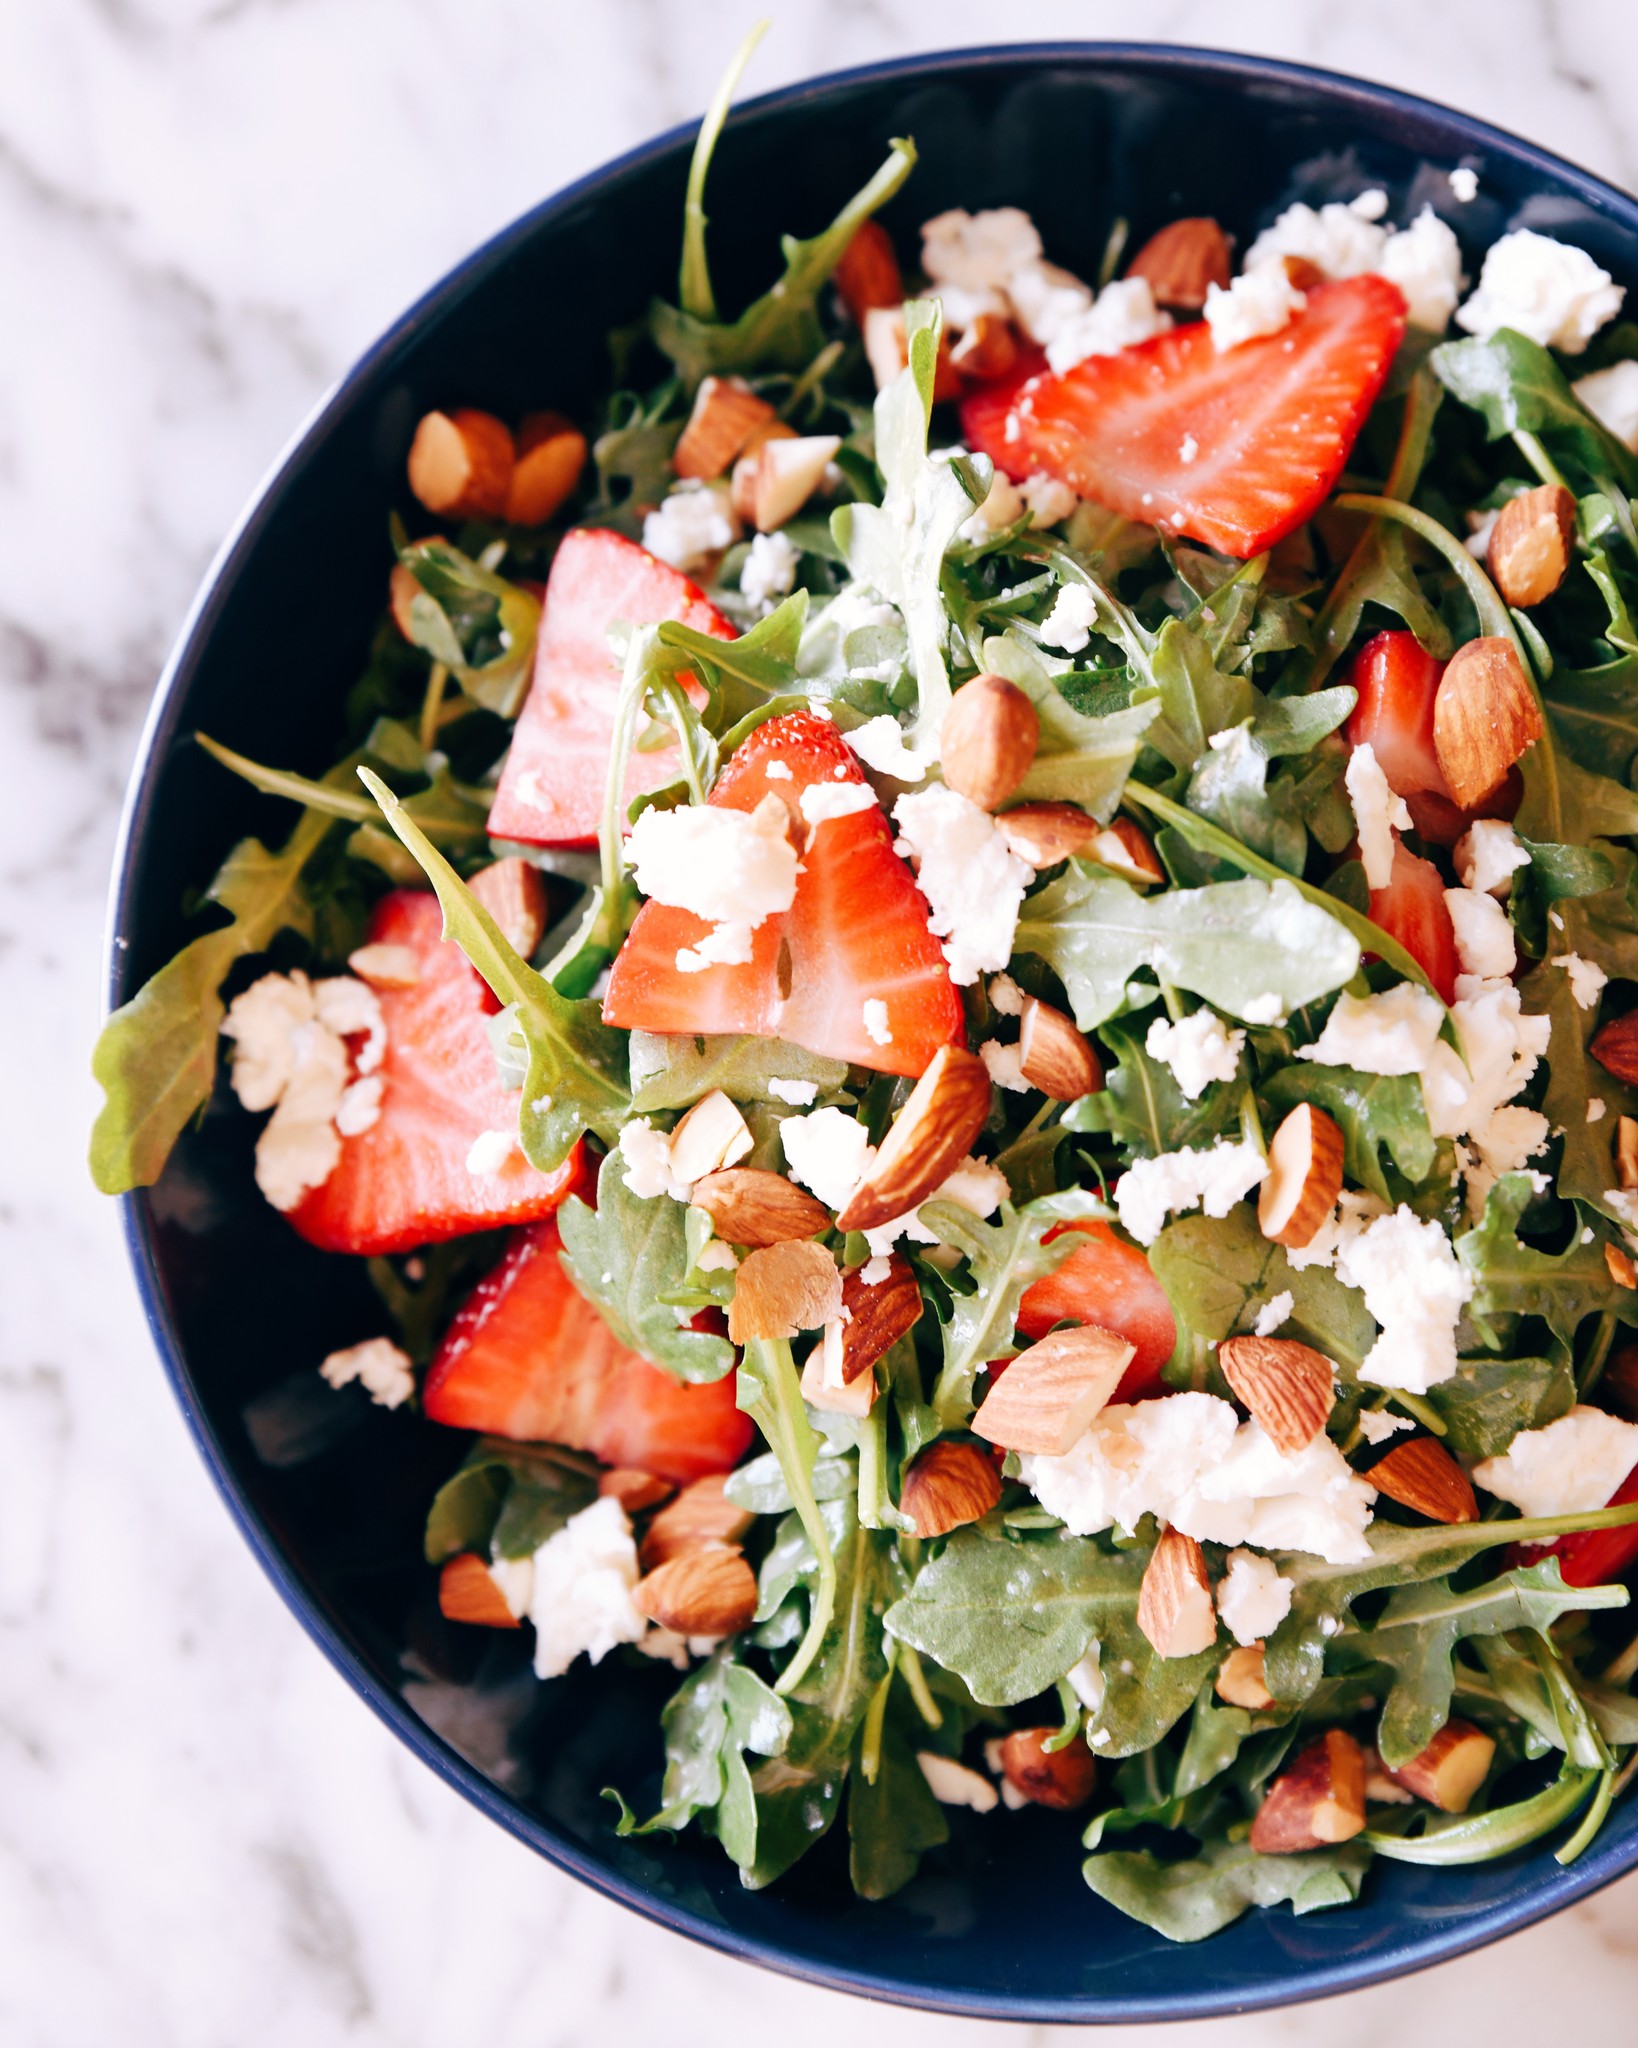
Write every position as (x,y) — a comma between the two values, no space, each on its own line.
(332,1492)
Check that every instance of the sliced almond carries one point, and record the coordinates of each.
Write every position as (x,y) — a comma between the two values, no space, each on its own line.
(1054,1057)
(988,740)
(551,456)
(1182,260)
(1532,544)
(460,464)
(1422,1475)
(1485,717)
(868,274)
(1304,1177)
(1046,1397)
(1317,1801)
(787,475)
(887,352)
(1124,846)
(948,1485)
(1380,1789)
(636,1491)
(926,1141)
(1615,1047)
(783,1288)
(1626,1152)
(988,349)
(701,1515)
(874,1316)
(1175,1608)
(713,1135)
(384,966)
(467,1592)
(726,414)
(1240,1681)
(1044,834)
(1302,274)
(1451,1769)
(823,1386)
(742,485)
(1621,1268)
(1287,1387)
(754,1206)
(1063,1779)
(513,891)
(704,1593)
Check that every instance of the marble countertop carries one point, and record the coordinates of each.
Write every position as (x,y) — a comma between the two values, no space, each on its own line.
(207,208)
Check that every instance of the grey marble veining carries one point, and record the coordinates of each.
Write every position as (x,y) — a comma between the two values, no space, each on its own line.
(207,208)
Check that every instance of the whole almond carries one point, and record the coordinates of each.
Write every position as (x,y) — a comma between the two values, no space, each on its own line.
(636,1491)
(1626,1152)
(1485,717)
(701,1517)
(875,1315)
(460,464)
(1615,1047)
(783,1288)
(1532,544)
(1182,260)
(751,1205)
(926,1141)
(1063,1779)
(513,891)
(1240,1681)
(1304,1177)
(1287,1387)
(1317,1801)
(1175,1608)
(988,739)
(551,456)
(868,273)
(948,1485)
(1054,1057)
(1044,834)
(988,349)
(704,1593)
(467,1592)
(1422,1475)
(1451,1769)
(726,413)
(1047,1395)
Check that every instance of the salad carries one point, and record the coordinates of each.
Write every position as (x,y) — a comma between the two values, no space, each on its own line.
(968,976)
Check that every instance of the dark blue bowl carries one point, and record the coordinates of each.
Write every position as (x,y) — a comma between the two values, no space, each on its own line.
(329,1492)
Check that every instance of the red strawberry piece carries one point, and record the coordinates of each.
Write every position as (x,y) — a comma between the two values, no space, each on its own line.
(1397,681)
(1107,1282)
(1236,448)
(1593,1557)
(856,932)
(528,1357)
(551,790)
(405,1181)
(1412,909)
(985,409)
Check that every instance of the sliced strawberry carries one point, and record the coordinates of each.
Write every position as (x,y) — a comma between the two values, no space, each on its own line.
(984,410)
(551,790)
(1595,1556)
(1107,1282)
(856,933)
(528,1357)
(1412,909)
(405,1181)
(1236,448)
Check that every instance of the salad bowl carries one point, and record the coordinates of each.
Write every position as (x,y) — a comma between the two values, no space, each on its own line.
(331,1494)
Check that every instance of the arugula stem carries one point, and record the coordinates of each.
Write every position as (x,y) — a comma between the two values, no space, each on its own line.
(1591,1821)
(1536,455)
(873,1465)
(870,1734)
(1597,1352)
(1069,1705)
(633,687)
(815,374)
(672,697)
(1494,617)
(772,1396)
(694,282)
(1424,1411)
(916,1679)
(1583,1744)
(1173,1001)
(1481,1837)
(1622,1670)
(431,705)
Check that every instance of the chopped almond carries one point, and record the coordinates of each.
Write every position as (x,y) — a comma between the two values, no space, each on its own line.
(927,1140)
(1451,1769)
(751,1205)
(987,350)
(701,1515)
(1133,853)
(703,1593)
(1485,717)
(1045,1398)
(551,456)
(787,473)
(875,1315)
(385,966)
(713,1135)
(1422,1475)
(1182,261)
(988,739)
(1615,1047)
(726,414)
(887,351)
(824,1388)
(1621,1268)
(948,1485)
(742,487)
(783,1288)
(1319,1800)
(460,465)
(1304,1177)
(1532,544)
(467,1592)
(1626,1152)
(1287,1386)
(1054,1057)
(1240,1681)
(868,274)
(513,891)
(1044,834)
(636,1491)
(1063,1779)
(1175,1609)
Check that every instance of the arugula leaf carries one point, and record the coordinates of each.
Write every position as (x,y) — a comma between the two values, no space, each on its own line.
(745,678)
(1232,943)
(769,1392)
(1200,1896)
(480,626)
(447,813)
(1586,1168)
(894,1819)
(1078,759)
(1512,1278)
(694,291)
(1489,1400)
(1378,1114)
(1516,387)
(1449,1839)
(672,1072)
(632,456)
(1141,1104)
(575,1080)
(506,1499)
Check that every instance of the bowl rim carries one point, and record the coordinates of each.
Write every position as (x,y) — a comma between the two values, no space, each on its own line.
(1599,1867)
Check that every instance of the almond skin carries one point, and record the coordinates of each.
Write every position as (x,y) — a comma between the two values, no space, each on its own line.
(988,740)
(876,1316)
(747,472)
(1055,1057)
(1626,1152)
(636,1491)
(1304,1177)
(1485,717)
(1318,1801)
(1287,1386)
(1175,1609)
(887,352)
(551,456)
(1240,1681)
(1451,1769)
(787,472)
(702,1515)
(781,1289)
(1044,834)
(513,891)
(868,273)
(461,463)
(1621,1268)
(1615,1047)
(1532,544)
(1619,1385)
(1063,1779)
(987,350)
(750,1205)
(726,414)
(467,1592)
(1048,1394)
(947,1486)
(1137,847)
(1182,260)
(928,1139)
(403,589)
(704,1593)
(1422,1475)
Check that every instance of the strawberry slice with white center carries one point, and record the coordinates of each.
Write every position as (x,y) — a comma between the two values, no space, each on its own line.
(405,1181)
(528,1357)
(852,952)
(551,790)
(1235,448)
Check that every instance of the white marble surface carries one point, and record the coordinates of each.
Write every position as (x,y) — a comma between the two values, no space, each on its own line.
(207,207)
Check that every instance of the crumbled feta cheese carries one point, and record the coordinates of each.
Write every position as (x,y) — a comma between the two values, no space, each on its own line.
(1354,1209)
(351,1010)
(836,800)
(769,569)
(976,1185)
(514,1579)
(1587,978)
(1069,623)
(1376,1425)
(585,1576)
(778,771)
(1006,997)
(1197,1049)
(1085,1679)
(1377,813)
(1256,303)
(716,1257)
(1252,1598)
(978,251)
(828,1152)
(1416,1289)
(490,1151)
(1334,239)
(1264,1009)
(1464,183)
(1371,204)
(1046,300)
(1274,1315)
(1571,1465)
(360,1107)
(1214,1180)
(1506,1139)
(299,1146)
(1595,1109)
(1546,290)
(1486,855)
(647,1153)
(1123,314)
(1188,448)
(381,1368)
(693,522)
(880,744)
(1480,527)
(1484,934)
(953,1784)
(1425,261)
(875,1022)
(1501,1047)
(1005,1064)
(973,881)
(1611,396)
(1309,1500)
(1392,1033)
(1050,502)
(735,868)
(875,1270)
(1003,506)
(261,1025)
(798,1093)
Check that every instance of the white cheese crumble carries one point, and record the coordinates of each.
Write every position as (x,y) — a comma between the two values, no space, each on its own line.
(797,1093)
(647,1153)
(514,1579)
(1006,997)
(1050,502)
(978,251)
(1256,303)
(1376,1425)
(973,881)
(1336,239)
(880,744)
(1214,1180)
(1252,1597)
(1069,623)
(693,522)
(1501,1047)
(1123,314)
(875,1022)
(823,800)
(1587,978)
(1611,396)
(1086,1678)
(769,570)
(490,1151)
(1275,1314)
(1378,812)
(1546,290)
(1425,261)
(734,868)
(713,1134)
(1391,1033)
(1570,1466)
(1595,1109)
(828,1152)
(1197,1049)
(1047,300)
(379,1365)
(1486,855)
(1480,527)
(953,1784)
(1464,183)
(778,771)
(1005,1064)
(1188,448)
(1484,934)
(1264,1009)
(585,1576)
(1416,1289)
